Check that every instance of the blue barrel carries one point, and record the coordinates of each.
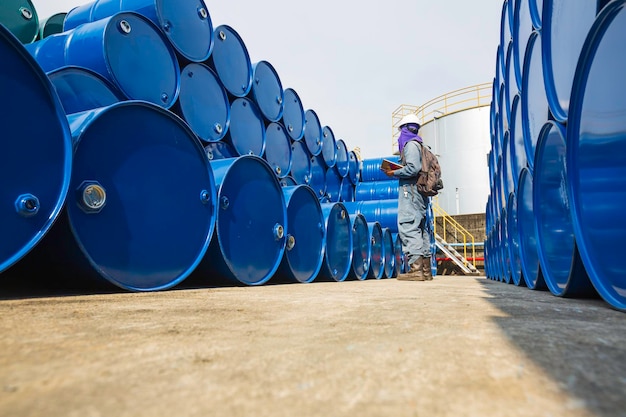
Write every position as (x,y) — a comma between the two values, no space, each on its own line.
(506,32)
(249,239)
(36,162)
(333,185)
(535,107)
(536,7)
(51,25)
(561,265)
(522,28)
(503,120)
(306,236)
(361,247)
(21,19)
(513,241)
(81,89)
(231,61)
(126,48)
(510,84)
(507,167)
(293,114)
(287,181)
(343,159)
(507,272)
(246,132)
(267,91)
(527,233)
(300,163)
(338,250)
(347,192)
(377,190)
(389,255)
(565,25)
(278,149)
(401,262)
(596,133)
(370,169)
(220,150)
(203,102)
(329,146)
(377,257)
(313,132)
(143,210)
(354,170)
(384,212)
(186,23)
(318,176)
(517,145)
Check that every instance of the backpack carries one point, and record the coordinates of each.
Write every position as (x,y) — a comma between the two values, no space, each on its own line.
(429,180)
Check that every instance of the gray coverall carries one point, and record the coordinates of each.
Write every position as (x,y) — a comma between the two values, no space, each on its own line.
(412,205)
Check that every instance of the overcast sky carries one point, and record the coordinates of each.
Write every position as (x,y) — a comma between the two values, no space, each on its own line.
(355,62)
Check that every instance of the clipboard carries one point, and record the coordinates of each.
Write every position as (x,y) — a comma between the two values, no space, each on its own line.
(387,164)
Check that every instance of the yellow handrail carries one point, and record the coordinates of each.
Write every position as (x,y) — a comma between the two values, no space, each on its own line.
(457,229)
(467,98)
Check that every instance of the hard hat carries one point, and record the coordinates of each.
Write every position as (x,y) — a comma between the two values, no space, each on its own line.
(408,119)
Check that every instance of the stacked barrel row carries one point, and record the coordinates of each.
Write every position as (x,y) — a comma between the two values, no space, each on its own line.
(558,134)
(144,149)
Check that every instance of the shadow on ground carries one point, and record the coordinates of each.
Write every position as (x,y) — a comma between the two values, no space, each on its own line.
(580,343)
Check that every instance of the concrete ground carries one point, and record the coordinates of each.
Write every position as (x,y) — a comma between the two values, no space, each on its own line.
(456,346)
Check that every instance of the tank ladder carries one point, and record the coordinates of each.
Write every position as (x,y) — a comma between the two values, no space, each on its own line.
(452,230)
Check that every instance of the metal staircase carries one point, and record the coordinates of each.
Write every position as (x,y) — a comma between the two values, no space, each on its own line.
(451,230)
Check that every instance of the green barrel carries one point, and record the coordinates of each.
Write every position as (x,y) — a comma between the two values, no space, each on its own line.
(51,25)
(20,17)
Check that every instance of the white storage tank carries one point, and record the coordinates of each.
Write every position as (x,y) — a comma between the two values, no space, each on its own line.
(457,128)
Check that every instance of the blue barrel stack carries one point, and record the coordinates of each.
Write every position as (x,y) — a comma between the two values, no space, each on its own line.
(162,155)
(555,212)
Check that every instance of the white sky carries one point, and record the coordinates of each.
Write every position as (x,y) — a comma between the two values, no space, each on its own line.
(355,62)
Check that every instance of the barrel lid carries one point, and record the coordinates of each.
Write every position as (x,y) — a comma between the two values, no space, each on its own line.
(36,160)
(267,90)
(203,102)
(313,132)
(361,247)
(143,208)
(278,149)
(300,163)
(329,146)
(231,61)
(188,26)
(247,128)
(306,228)
(293,114)
(251,220)
(338,252)
(343,159)
(51,25)
(139,58)
(377,260)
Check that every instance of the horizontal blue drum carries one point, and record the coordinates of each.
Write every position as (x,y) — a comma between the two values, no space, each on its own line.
(370,169)
(383,211)
(246,132)
(186,23)
(528,233)
(564,28)
(293,114)
(377,190)
(377,257)
(513,241)
(231,61)
(81,89)
(354,171)
(36,160)
(143,205)
(329,147)
(596,142)
(343,159)
(318,176)
(361,247)
(347,193)
(338,250)
(312,132)
(250,232)
(333,185)
(126,48)
(389,255)
(522,28)
(300,163)
(278,149)
(400,264)
(306,236)
(267,91)
(203,102)
(220,150)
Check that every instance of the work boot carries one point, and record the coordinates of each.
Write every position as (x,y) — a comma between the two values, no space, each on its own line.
(427,268)
(415,273)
